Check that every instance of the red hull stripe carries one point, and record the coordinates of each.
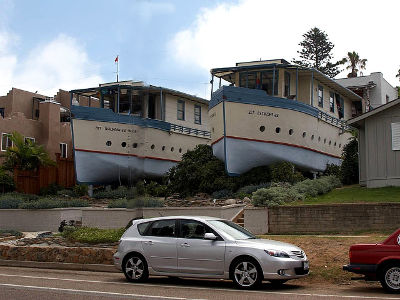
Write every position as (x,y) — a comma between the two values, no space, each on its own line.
(274,142)
(127,154)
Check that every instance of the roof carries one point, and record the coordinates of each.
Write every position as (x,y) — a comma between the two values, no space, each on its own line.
(138,85)
(357,120)
(321,77)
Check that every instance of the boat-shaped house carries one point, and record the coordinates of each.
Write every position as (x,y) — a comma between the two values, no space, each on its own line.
(267,111)
(125,130)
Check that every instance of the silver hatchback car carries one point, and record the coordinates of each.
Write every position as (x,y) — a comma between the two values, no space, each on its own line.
(205,247)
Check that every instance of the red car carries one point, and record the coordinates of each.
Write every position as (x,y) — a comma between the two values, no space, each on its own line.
(378,262)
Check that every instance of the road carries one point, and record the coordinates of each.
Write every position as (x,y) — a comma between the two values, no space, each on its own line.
(46,284)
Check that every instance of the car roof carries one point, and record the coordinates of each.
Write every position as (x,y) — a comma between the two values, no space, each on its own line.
(197,218)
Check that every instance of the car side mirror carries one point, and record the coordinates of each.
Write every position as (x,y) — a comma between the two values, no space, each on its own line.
(210,236)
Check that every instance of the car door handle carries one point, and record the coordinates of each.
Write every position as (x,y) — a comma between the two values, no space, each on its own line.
(185,245)
(149,243)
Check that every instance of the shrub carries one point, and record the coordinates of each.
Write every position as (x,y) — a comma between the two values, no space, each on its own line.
(144,202)
(155,189)
(10,232)
(248,190)
(118,193)
(222,194)
(119,203)
(80,190)
(9,201)
(45,203)
(140,188)
(257,175)
(51,189)
(6,181)
(285,172)
(66,193)
(332,170)
(275,196)
(93,235)
(316,187)
(349,168)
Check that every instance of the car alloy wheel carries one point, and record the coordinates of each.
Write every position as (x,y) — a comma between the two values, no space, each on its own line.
(135,268)
(391,279)
(246,274)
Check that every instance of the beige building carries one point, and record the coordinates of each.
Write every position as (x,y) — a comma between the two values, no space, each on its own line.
(39,118)
(379,145)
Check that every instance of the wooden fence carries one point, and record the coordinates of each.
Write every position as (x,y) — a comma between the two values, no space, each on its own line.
(30,182)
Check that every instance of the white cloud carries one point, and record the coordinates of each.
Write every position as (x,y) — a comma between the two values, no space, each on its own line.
(254,29)
(61,63)
(147,9)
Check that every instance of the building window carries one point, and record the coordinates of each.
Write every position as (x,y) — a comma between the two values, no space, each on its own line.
(331,102)
(268,83)
(63,150)
(6,141)
(197,114)
(29,139)
(387,99)
(181,110)
(320,96)
(340,106)
(287,85)
(2,112)
(395,136)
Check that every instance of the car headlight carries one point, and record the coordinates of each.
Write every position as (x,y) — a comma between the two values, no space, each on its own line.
(277,253)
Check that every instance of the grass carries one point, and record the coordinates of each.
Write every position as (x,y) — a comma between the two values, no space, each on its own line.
(354,194)
(92,235)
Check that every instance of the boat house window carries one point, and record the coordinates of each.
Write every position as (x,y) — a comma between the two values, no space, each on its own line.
(249,80)
(320,96)
(6,141)
(63,150)
(197,114)
(331,102)
(287,85)
(267,82)
(340,106)
(181,110)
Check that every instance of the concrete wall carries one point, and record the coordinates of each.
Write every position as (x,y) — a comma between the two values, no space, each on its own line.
(323,218)
(49,219)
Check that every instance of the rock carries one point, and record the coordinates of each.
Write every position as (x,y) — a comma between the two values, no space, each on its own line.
(230,201)
(246,200)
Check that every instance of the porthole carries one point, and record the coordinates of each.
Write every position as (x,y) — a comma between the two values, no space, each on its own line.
(330,142)
(319,139)
(152,147)
(340,145)
(172,149)
(212,129)
(262,128)
(108,143)
(180,150)
(123,144)
(312,137)
(334,144)
(325,141)
(304,134)
(290,131)
(277,130)
(134,145)
(163,148)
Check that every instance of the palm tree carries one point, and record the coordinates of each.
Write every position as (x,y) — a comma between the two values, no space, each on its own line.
(355,63)
(25,154)
(398,74)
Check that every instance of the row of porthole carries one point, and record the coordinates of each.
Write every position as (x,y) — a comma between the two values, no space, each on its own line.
(291,131)
(135,145)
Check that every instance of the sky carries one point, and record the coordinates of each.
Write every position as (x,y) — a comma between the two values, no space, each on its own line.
(47,45)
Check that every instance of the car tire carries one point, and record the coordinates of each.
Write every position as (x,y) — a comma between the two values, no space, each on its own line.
(246,273)
(276,283)
(135,268)
(390,278)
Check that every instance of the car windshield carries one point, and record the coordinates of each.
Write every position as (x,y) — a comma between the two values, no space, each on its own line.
(232,229)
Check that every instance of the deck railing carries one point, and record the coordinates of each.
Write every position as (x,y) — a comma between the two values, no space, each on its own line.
(188,130)
(330,119)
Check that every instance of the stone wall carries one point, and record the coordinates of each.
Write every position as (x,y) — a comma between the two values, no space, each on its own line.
(80,255)
(333,218)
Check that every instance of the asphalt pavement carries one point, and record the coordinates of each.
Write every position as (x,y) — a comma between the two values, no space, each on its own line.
(34,283)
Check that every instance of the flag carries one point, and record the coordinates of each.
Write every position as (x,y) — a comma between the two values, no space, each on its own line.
(116,59)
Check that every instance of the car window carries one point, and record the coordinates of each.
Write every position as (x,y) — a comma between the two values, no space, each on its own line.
(142,227)
(164,228)
(232,229)
(191,229)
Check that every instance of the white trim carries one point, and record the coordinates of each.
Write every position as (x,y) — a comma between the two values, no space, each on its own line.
(29,138)
(3,134)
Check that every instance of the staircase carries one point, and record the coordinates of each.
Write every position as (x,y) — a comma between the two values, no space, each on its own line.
(239,218)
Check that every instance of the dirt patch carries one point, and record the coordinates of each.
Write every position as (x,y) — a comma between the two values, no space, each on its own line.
(327,255)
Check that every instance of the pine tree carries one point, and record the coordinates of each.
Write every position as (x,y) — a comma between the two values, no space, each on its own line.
(316,53)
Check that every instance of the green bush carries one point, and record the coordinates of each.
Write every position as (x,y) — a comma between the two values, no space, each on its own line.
(10,232)
(6,181)
(140,188)
(119,203)
(332,170)
(51,189)
(222,194)
(118,193)
(312,188)
(80,190)
(93,235)
(66,193)
(45,203)
(349,168)
(255,176)
(248,190)
(155,189)
(275,196)
(144,202)
(285,172)
(10,202)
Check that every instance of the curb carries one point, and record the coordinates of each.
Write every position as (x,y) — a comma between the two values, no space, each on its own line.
(59,266)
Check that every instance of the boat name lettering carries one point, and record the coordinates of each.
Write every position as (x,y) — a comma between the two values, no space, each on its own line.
(263,113)
(116,129)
